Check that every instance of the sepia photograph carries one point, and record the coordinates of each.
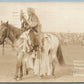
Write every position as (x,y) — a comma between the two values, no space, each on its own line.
(41,41)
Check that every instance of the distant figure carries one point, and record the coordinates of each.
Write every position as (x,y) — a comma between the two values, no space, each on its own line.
(35,26)
(23,20)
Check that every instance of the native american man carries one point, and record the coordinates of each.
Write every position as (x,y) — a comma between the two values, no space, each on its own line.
(35,25)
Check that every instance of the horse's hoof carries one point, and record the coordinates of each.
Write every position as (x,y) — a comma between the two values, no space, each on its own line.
(41,75)
(26,72)
(54,75)
(17,79)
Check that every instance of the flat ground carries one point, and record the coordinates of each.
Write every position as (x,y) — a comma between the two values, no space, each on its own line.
(63,73)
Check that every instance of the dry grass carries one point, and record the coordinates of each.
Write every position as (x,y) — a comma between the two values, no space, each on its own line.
(63,73)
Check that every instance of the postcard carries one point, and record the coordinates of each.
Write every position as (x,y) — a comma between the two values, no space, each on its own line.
(41,41)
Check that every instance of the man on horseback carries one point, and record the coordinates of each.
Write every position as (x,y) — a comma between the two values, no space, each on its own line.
(23,20)
(35,26)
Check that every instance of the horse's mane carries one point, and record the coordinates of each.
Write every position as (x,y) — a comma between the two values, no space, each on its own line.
(13,27)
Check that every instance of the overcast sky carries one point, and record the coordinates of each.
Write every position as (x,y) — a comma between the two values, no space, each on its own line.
(54,16)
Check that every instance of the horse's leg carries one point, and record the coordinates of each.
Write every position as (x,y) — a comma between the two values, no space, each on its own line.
(27,71)
(26,67)
(53,66)
(49,62)
(47,67)
(34,59)
(53,62)
(17,71)
(33,62)
(19,65)
(21,70)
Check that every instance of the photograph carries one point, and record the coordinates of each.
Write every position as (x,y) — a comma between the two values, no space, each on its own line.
(42,41)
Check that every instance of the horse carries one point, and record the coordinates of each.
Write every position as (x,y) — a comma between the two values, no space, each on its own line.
(50,53)
(10,31)
(14,35)
(50,48)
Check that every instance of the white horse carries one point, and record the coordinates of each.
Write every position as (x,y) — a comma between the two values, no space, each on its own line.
(50,52)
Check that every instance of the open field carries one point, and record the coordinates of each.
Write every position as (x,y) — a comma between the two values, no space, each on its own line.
(63,73)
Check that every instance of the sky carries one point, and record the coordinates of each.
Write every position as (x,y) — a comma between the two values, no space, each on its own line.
(53,16)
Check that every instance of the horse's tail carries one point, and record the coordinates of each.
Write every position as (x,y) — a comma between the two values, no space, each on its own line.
(60,56)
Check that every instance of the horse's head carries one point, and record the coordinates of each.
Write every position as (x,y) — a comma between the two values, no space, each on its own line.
(3,31)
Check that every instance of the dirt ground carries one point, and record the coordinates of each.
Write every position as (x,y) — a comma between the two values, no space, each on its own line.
(63,73)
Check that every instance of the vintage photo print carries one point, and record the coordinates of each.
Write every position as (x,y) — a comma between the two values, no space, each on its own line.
(41,41)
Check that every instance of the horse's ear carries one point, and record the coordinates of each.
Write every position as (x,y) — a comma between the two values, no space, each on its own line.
(1,21)
(7,23)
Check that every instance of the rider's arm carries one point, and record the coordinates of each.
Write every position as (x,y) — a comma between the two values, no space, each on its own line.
(34,22)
